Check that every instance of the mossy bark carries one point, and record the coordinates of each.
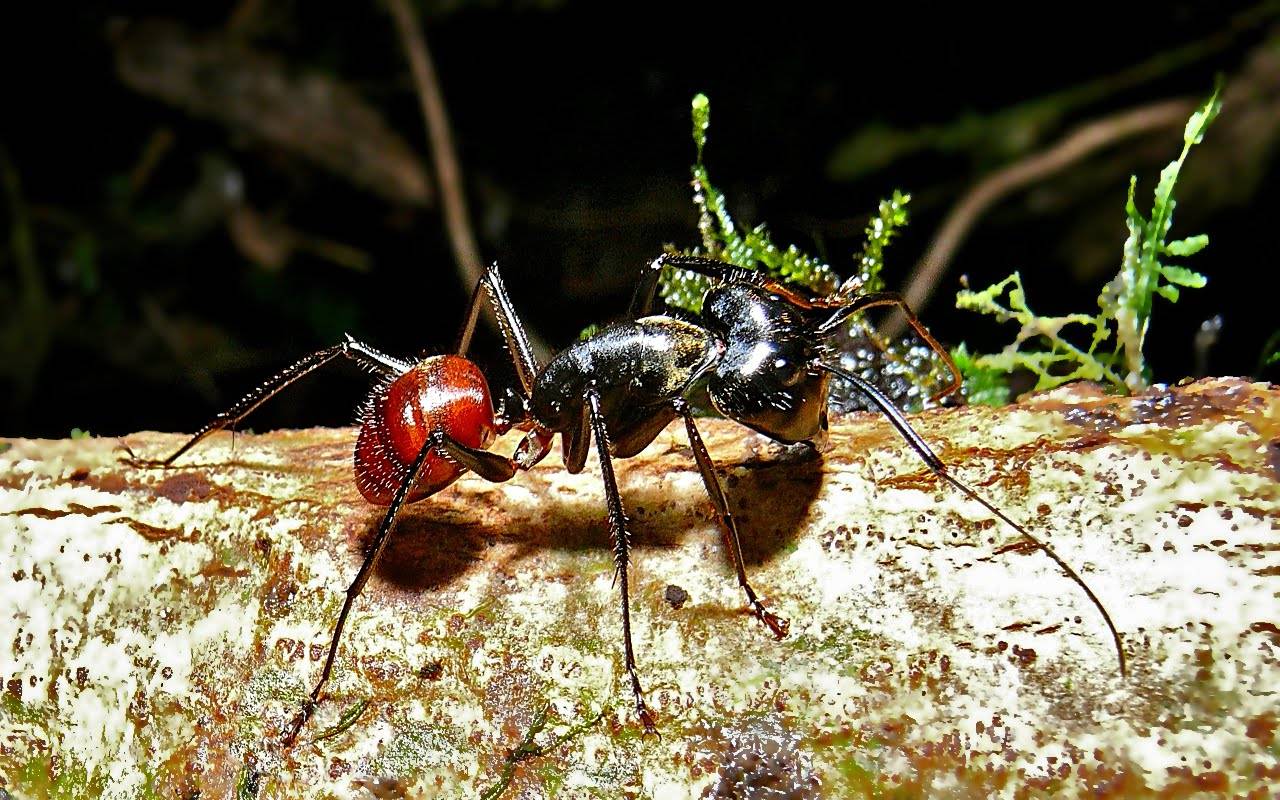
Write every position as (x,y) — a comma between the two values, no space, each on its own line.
(163,625)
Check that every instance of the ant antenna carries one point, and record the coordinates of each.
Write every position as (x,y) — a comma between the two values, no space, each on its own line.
(931,459)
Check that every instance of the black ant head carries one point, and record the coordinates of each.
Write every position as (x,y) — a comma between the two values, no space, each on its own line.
(765,379)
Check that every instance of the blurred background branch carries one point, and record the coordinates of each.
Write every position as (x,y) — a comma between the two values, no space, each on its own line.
(1020,175)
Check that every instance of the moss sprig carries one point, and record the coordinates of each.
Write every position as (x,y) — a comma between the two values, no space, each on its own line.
(721,238)
(888,222)
(1124,304)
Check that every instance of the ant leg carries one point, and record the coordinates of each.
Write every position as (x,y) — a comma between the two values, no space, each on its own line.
(722,271)
(359,352)
(353,591)
(729,527)
(522,356)
(621,549)
(492,467)
(931,459)
(373,360)
(647,286)
(863,302)
(508,322)
(473,317)
(576,442)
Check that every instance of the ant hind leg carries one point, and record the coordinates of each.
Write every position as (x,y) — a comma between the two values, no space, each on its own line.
(357,351)
(376,548)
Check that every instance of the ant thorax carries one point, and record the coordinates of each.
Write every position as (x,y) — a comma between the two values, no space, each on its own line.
(633,364)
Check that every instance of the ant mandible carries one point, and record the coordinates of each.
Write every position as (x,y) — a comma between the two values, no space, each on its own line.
(757,346)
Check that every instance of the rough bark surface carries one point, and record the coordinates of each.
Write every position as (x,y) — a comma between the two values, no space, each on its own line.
(162,626)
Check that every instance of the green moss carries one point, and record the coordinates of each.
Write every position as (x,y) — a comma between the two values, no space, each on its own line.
(230,557)
(248,784)
(530,749)
(859,780)
(71,781)
(345,721)
(417,746)
(1042,345)
(17,711)
(268,685)
(721,237)
(982,385)
(891,216)
(1269,357)
(855,762)
(846,646)
(1050,363)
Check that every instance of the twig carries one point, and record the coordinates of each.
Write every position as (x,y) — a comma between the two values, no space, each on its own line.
(158,145)
(461,239)
(443,154)
(966,212)
(244,16)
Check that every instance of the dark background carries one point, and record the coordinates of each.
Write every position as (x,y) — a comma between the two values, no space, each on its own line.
(134,297)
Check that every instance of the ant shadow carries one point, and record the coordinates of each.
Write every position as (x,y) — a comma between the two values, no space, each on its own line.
(769,497)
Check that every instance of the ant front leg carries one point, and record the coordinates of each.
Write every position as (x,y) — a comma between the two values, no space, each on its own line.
(729,527)
(621,549)
(718,271)
(647,286)
(357,351)
(523,359)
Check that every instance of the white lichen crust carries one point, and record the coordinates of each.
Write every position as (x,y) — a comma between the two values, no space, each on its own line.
(163,626)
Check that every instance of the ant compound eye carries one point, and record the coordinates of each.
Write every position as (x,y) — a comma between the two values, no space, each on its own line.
(787,372)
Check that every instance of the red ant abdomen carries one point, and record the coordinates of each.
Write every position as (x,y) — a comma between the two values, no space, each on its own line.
(446,393)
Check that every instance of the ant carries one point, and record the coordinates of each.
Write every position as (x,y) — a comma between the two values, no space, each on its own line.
(757,349)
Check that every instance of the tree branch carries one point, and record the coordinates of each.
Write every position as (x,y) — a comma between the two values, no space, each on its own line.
(161,626)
